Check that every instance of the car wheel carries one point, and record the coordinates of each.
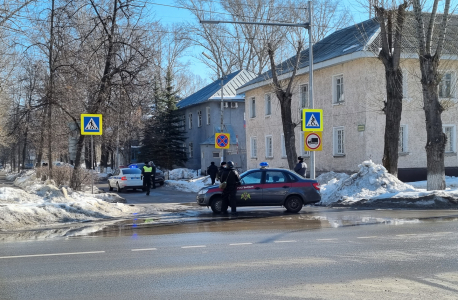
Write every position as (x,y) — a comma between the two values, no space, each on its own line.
(293,204)
(118,189)
(217,205)
(110,187)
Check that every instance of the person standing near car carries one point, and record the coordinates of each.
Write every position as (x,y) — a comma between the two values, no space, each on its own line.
(232,179)
(153,174)
(301,167)
(212,170)
(221,170)
(147,171)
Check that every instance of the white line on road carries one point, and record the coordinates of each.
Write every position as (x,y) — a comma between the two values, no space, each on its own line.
(285,241)
(326,239)
(239,244)
(367,237)
(407,234)
(52,254)
(147,249)
(201,246)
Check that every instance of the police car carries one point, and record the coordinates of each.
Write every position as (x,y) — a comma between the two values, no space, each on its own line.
(266,187)
(126,178)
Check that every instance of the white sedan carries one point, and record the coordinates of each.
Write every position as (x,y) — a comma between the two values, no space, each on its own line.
(126,178)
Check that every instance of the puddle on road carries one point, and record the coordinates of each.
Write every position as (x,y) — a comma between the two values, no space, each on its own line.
(249,219)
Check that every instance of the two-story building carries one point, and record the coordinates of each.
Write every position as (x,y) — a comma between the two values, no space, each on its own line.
(201,119)
(349,85)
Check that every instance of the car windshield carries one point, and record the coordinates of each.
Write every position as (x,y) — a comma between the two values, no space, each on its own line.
(131,171)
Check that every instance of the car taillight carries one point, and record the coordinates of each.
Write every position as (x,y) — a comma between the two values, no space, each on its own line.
(316,185)
(124,178)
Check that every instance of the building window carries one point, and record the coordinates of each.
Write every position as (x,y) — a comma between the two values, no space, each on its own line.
(338,89)
(253,107)
(183,122)
(254,147)
(450,133)
(269,146)
(403,139)
(202,153)
(190,121)
(304,92)
(283,146)
(191,149)
(268,100)
(234,105)
(338,141)
(199,118)
(184,149)
(302,150)
(445,86)
(215,154)
(208,115)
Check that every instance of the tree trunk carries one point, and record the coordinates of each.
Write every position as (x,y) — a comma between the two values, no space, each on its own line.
(393,110)
(51,90)
(75,181)
(288,128)
(435,138)
(104,157)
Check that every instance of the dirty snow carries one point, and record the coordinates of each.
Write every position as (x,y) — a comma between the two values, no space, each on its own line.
(184,173)
(373,184)
(190,185)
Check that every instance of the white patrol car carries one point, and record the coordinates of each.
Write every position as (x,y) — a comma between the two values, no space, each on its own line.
(126,178)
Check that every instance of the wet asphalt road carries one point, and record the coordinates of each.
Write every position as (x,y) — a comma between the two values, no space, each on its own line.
(415,259)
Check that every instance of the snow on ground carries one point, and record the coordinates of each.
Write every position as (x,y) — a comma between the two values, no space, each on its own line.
(183,173)
(373,186)
(451,182)
(191,185)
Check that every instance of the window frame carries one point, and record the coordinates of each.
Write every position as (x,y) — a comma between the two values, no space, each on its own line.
(254,150)
(283,146)
(335,141)
(335,100)
(452,85)
(453,137)
(301,96)
(252,107)
(207,110)
(190,120)
(271,146)
(268,104)
(404,135)
(199,118)
(302,145)
(191,150)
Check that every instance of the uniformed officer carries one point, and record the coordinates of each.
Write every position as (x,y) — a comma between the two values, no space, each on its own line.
(147,171)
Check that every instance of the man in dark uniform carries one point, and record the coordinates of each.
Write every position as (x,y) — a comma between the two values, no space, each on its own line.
(221,170)
(232,179)
(153,174)
(212,170)
(147,171)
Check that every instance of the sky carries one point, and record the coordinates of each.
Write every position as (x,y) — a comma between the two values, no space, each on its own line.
(169,13)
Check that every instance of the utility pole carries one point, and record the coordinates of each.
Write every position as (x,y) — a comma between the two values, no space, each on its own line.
(307,26)
(222,99)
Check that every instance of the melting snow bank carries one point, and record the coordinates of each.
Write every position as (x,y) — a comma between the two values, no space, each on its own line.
(43,205)
(374,187)
(191,185)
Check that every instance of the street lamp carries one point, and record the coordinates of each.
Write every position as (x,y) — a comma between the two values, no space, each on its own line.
(222,86)
(307,26)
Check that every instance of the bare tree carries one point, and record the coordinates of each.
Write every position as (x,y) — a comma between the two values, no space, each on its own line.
(391,32)
(430,78)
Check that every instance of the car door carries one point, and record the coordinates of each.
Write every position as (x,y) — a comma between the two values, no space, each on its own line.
(276,187)
(249,193)
(113,178)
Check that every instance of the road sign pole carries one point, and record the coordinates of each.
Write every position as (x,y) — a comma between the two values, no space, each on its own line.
(312,155)
(92,163)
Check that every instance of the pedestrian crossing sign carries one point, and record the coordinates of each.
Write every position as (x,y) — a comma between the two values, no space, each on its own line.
(312,120)
(91,124)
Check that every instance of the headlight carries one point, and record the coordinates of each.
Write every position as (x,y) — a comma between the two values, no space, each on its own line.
(203,191)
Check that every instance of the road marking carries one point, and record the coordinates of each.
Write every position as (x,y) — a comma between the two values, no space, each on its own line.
(239,244)
(201,246)
(147,249)
(407,234)
(366,237)
(52,254)
(285,241)
(326,239)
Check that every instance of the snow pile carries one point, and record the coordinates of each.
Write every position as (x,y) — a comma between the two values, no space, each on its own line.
(451,182)
(43,204)
(184,173)
(192,185)
(371,181)
(12,176)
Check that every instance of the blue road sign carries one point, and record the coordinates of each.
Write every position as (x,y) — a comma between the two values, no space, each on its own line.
(91,124)
(312,120)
